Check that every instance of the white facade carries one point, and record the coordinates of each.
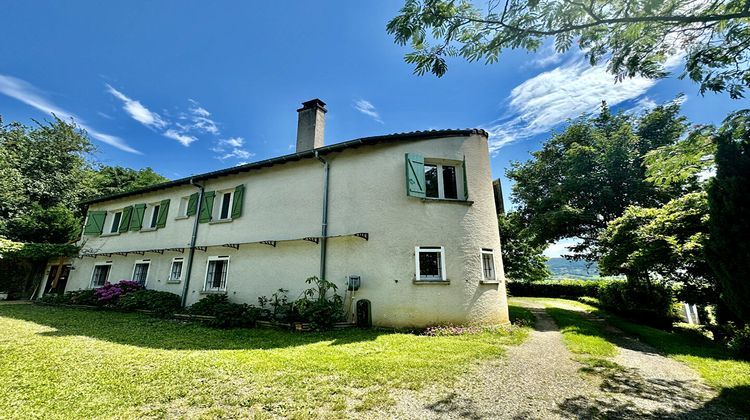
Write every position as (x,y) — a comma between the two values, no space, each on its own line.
(283,202)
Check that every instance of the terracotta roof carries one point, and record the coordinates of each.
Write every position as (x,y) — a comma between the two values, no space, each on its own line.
(364,141)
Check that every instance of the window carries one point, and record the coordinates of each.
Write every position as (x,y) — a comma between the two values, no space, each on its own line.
(154,216)
(183,210)
(488,264)
(216,274)
(116,218)
(224,205)
(100,274)
(140,271)
(441,180)
(430,263)
(175,272)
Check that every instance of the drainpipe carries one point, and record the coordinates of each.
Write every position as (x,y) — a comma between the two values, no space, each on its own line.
(191,251)
(324,227)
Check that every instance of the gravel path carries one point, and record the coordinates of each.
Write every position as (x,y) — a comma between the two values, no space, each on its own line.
(541,379)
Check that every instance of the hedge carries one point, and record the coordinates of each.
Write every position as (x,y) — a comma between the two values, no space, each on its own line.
(558,288)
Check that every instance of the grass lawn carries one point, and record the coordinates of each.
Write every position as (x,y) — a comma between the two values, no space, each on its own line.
(62,363)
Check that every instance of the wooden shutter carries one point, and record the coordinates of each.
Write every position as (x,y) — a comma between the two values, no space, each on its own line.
(95,223)
(237,201)
(466,181)
(127,212)
(161,220)
(192,205)
(415,182)
(136,219)
(207,207)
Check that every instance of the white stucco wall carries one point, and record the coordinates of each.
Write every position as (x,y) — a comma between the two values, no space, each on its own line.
(367,194)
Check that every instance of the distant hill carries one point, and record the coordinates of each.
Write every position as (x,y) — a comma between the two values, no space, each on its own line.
(562,268)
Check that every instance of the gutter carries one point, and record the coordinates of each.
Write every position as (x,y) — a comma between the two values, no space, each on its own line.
(193,238)
(324,224)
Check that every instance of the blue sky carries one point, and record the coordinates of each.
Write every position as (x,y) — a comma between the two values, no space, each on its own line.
(188,87)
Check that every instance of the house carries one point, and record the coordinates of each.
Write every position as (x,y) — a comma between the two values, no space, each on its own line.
(412,216)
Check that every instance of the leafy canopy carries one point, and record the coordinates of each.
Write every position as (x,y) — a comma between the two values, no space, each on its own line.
(635,37)
(522,257)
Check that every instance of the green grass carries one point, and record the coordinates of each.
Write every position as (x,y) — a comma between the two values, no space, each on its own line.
(63,363)
(714,363)
(521,316)
(581,335)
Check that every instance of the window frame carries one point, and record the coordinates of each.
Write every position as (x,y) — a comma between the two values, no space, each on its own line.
(93,271)
(439,164)
(153,216)
(148,270)
(180,260)
(111,228)
(205,289)
(430,249)
(183,207)
(218,201)
(491,253)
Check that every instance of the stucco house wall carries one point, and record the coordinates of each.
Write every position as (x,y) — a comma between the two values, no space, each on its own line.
(367,193)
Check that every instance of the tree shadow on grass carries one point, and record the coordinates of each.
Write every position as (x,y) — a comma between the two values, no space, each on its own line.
(144,331)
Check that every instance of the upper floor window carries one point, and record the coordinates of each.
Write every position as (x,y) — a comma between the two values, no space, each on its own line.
(488,264)
(225,204)
(430,263)
(441,180)
(115,220)
(153,217)
(182,211)
(436,178)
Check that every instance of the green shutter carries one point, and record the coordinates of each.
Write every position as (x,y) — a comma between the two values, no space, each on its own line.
(136,219)
(192,204)
(161,220)
(415,183)
(466,181)
(95,223)
(207,207)
(237,201)
(125,220)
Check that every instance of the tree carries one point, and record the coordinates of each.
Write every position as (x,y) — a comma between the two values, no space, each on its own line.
(115,179)
(522,258)
(586,176)
(636,37)
(729,209)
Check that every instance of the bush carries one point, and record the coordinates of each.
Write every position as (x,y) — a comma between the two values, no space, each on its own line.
(226,314)
(558,288)
(648,304)
(163,303)
(109,294)
(739,341)
(314,307)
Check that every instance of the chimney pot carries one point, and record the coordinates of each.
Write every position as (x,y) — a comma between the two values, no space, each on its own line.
(311,125)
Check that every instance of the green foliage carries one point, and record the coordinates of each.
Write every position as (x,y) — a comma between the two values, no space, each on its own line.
(557,288)
(739,343)
(587,176)
(320,306)
(635,38)
(522,258)
(77,297)
(41,252)
(56,224)
(227,314)
(162,303)
(649,304)
(116,179)
(683,162)
(729,209)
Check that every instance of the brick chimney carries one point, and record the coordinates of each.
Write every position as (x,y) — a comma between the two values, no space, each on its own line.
(310,125)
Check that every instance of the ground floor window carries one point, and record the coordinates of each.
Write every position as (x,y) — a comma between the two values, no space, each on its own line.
(488,264)
(216,274)
(430,263)
(175,272)
(100,275)
(140,271)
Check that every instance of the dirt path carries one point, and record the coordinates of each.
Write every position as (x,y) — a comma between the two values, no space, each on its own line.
(541,379)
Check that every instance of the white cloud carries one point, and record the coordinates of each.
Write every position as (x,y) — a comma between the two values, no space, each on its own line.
(199,119)
(231,148)
(560,248)
(368,109)
(546,57)
(184,139)
(30,95)
(541,103)
(137,111)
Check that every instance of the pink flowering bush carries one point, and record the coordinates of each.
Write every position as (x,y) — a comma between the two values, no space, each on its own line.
(110,293)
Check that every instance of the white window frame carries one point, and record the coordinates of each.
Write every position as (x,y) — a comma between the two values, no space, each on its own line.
(430,249)
(205,276)
(218,199)
(93,271)
(147,220)
(182,269)
(491,253)
(111,216)
(148,270)
(182,210)
(458,165)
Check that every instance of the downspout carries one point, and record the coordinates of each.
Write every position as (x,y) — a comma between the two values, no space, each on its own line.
(324,226)
(193,238)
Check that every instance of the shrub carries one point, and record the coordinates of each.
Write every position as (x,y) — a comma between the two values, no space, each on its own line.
(78,297)
(558,288)
(649,304)
(163,303)
(109,294)
(226,314)
(314,306)
(739,341)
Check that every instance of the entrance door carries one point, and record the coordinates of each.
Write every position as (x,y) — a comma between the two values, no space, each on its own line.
(56,282)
